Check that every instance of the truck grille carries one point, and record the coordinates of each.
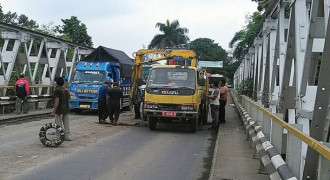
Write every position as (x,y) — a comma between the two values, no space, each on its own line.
(169,107)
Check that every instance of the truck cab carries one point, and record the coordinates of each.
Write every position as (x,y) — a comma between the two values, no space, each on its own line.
(87,80)
(176,93)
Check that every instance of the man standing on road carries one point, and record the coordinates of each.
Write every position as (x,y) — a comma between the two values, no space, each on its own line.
(223,100)
(61,108)
(102,103)
(116,99)
(22,90)
(214,104)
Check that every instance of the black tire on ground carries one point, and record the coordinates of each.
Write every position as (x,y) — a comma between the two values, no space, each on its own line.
(51,143)
(152,122)
(193,125)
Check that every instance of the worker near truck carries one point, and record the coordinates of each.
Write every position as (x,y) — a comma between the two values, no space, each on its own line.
(115,98)
(214,104)
(223,100)
(102,103)
(61,108)
(22,90)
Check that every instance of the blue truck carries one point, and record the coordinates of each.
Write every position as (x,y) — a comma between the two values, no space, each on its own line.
(103,64)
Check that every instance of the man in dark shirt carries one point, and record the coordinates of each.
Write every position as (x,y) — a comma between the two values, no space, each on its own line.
(102,103)
(61,108)
(116,99)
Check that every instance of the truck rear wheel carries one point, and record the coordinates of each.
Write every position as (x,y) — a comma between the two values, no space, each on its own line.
(205,114)
(193,125)
(152,122)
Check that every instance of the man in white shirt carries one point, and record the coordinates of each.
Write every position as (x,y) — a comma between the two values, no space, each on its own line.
(214,104)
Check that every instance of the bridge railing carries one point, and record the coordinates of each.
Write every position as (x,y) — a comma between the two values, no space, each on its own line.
(286,138)
(289,64)
(7,103)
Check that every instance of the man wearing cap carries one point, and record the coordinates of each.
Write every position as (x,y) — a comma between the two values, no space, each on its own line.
(22,90)
(61,107)
(116,99)
(102,103)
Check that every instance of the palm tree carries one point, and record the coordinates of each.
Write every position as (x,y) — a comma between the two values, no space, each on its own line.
(172,34)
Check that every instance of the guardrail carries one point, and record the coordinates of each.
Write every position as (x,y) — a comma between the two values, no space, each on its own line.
(287,139)
(33,86)
(33,100)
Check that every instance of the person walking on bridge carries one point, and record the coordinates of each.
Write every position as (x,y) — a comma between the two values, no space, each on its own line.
(61,108)
(116,99)
(102,103)
(214,104)
(22,90)
(223,100)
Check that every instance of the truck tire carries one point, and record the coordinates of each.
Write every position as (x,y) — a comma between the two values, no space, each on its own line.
(51,143)
(143,114)
(152,122)
(193,125)
(205,114)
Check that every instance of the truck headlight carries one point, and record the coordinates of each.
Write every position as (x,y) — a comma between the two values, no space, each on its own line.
(151,106)
(187,108)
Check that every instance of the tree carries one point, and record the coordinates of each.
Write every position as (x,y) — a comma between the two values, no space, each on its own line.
(24,21)
(243,39)
(207,50)
(1,13)
(75,31)
(172,34)
(10,18)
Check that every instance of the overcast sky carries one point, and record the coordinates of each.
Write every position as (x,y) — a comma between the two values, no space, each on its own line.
(129,25)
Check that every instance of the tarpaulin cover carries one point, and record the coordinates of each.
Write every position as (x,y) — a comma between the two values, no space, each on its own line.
(103,54)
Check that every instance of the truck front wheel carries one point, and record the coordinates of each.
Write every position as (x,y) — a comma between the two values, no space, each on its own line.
(193,125)
(152,122)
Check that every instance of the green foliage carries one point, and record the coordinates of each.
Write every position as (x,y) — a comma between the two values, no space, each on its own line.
(24,21)
(262,5)
(246,88)
(207,50)
(172,35)
(75,31)
(243,39)
(1,13)
(18,20)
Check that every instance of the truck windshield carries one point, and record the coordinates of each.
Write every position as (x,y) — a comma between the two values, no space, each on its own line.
(89,77)
(172,78)
(145,72)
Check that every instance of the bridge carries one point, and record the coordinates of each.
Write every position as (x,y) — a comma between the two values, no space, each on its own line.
(288,65)
(281,93)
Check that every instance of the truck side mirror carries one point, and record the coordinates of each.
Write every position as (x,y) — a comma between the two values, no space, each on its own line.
(201,78)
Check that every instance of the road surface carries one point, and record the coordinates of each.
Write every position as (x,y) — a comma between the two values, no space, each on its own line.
(104,152)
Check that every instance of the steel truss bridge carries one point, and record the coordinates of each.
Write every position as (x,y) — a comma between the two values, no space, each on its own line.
(289,66)
(41,57)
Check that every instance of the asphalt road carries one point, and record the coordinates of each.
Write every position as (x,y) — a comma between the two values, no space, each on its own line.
(171,152)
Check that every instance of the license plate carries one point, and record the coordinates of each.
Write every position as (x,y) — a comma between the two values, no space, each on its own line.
(169,114)
(85,106)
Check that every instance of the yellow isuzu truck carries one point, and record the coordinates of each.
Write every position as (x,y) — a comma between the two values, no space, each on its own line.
(176,92)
